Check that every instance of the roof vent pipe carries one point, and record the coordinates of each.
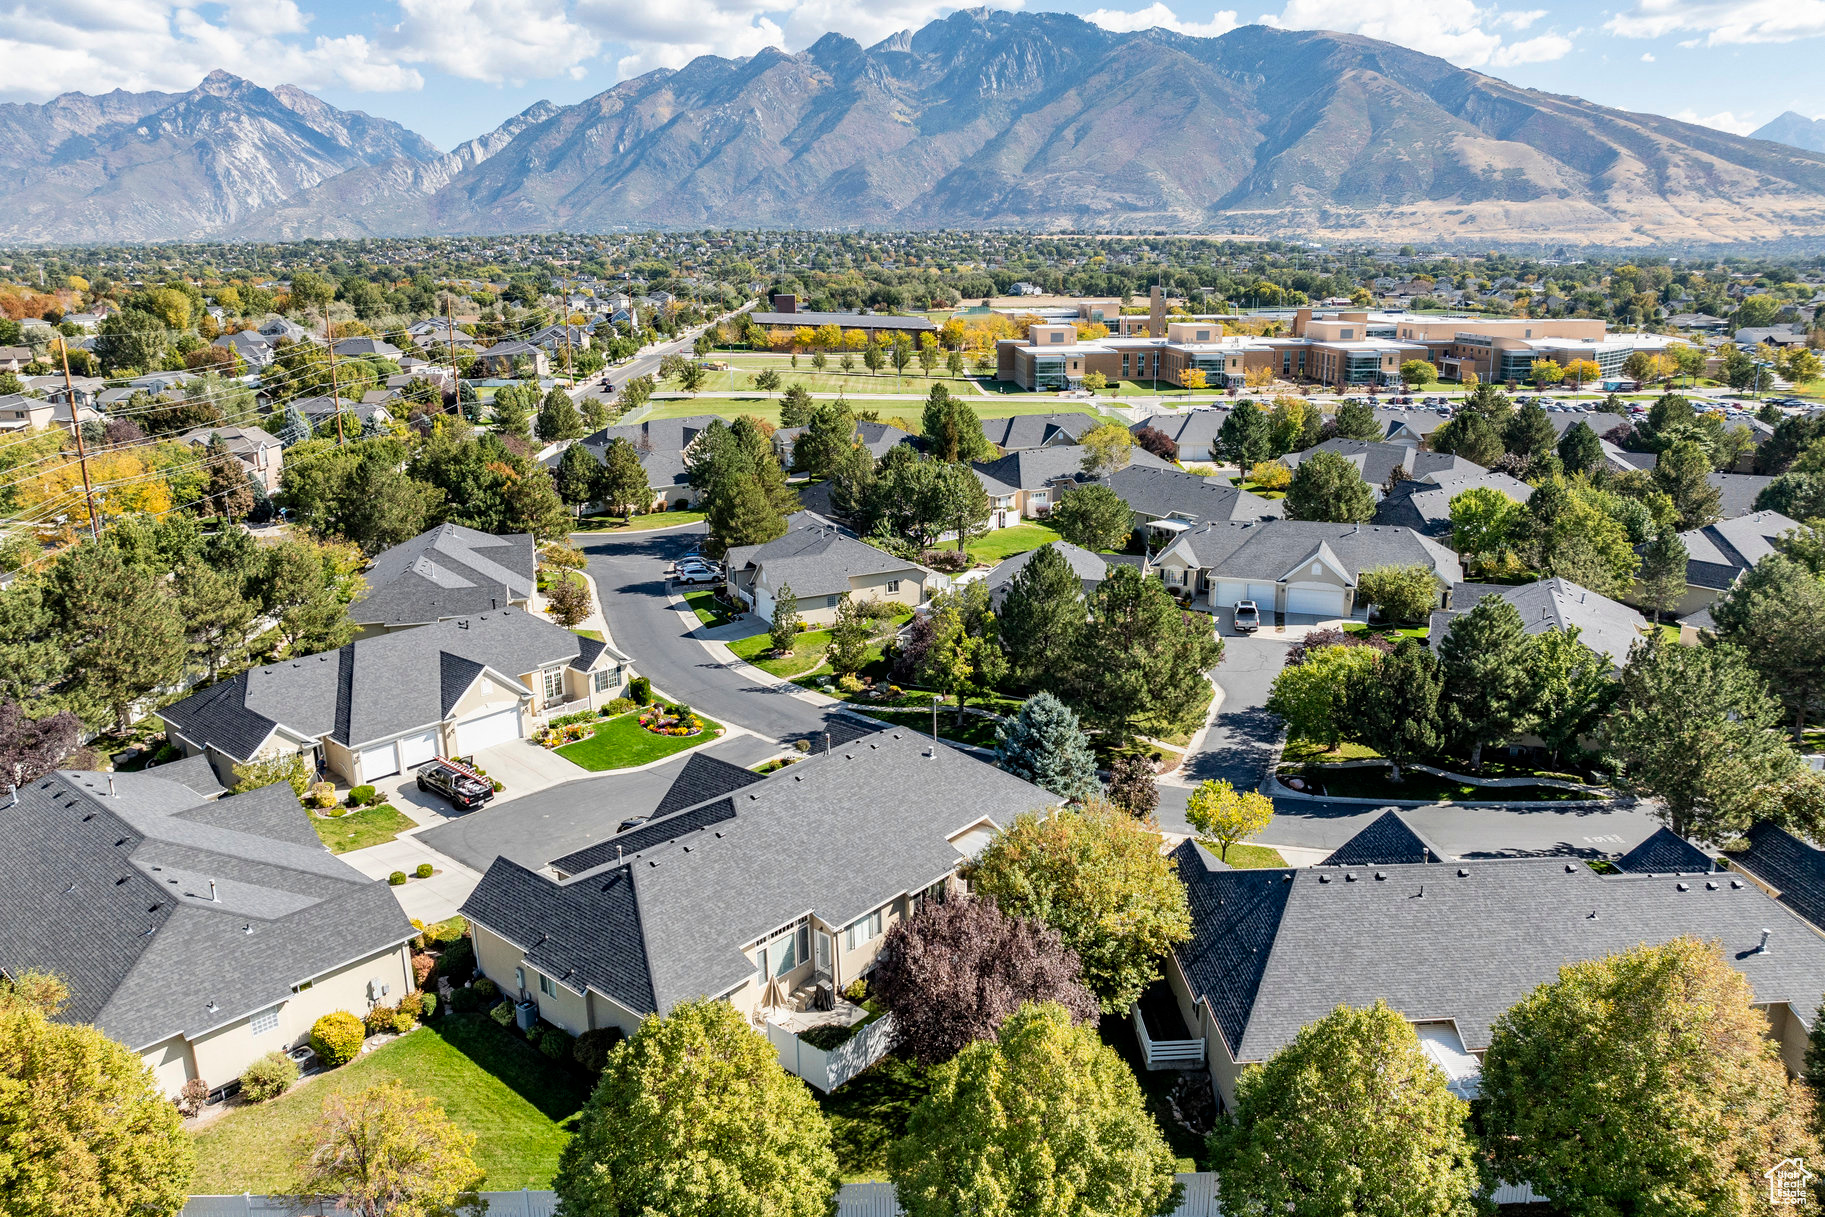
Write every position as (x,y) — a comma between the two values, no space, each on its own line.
(1762,949)
(111,793)
(213,898)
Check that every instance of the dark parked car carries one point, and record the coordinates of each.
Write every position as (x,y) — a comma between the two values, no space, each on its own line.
(455,782)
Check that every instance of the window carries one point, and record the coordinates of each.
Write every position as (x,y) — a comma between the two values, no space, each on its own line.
(862,931)
(302,986)
(893,585)
(547,986)
(1058,337)
(264,1021)
(830,601)
(607,678)
(1036,497)
(554,685)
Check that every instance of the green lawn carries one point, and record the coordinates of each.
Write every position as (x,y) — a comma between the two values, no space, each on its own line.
(520,1106)
(622,743)
(976,729)
(708,611)
(1302,751)
(657,519)
(592,634)
(1389,631)
(1254,857)
(360,829)
(1003,543)
(807,653)
(870,1113)
(831,380)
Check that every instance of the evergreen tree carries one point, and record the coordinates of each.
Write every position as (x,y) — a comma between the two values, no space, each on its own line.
(828,435)
(216,618)
(1245,439)
(739,513)
(1093,517)
(532,505)
(225,481)
(576,476)
(558,418)
(1356,420)
(1044,744)
(1041,615)
(1580,451)
(621,481)
(120,630)
(1393,706)
(1776,614)
(1471,436)
(795,406)
(1663,571)
(513,408)
(1327,487)
(1483,671)
(1529,433)
(1684,473)
(952,428)
(850,635)
(786,621)
(1569,686)
(1140,661)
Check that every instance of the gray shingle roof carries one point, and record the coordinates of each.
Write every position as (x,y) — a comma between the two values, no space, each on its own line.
(1481,936)
(1385,841)
(1193,431)
(1790,866)
(1037,430)
(816,560)
(450,571)
(704,778)
(833,835)
(1717,553)
(1666,853)
(1036,468)
(1091,568)
(1605,626)
(878,438)
(111,891)
(1267,550)
(1172,494)
(848,321)
(375,688)
(1737,492)
(1425,505)
(1377,461)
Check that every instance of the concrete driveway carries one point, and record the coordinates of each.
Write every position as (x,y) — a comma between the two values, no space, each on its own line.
(429,900)
(522,765)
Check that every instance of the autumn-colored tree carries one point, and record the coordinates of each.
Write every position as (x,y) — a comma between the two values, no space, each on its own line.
(388,1152)
(1222,816)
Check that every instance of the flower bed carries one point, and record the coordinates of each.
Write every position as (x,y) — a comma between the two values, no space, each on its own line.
(557,737)
(677,721)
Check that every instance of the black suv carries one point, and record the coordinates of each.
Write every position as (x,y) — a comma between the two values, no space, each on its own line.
(455,783)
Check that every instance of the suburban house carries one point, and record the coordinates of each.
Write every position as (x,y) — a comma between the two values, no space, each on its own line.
(252,348)
(1424,503)
(1378,462)
(822,565)
(1718,554)
(14,359)
(390,702)
(1194,431)
(664,446)
(1607,627)
(1789,869)
(1090,568)
(20,413)
(1025,483)
(1737,492)
(878,438)
(261,453)
(1451,945)
(1295,567)
(448,572)
(1173,499)
(365,348)
(756,893)
(502,358)
(1038,430)
(201,932)
(320,410)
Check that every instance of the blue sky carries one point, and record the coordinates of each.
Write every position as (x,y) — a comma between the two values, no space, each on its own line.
(451,69)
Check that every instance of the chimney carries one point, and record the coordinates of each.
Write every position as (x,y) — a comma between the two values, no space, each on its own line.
(1156,312)
(1763,948)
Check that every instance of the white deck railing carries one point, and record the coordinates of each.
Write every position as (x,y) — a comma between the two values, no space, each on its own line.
(1165,1054)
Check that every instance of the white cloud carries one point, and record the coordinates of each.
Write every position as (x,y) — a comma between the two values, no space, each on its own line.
(1724,120)
(1158,16)
(97,45)
(1544,49)
(1647,57)
(1457,30)
(1720,22)
(492,40)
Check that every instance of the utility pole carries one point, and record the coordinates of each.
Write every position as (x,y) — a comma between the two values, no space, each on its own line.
(335,397)
(570,359)
(456,377)
(82,456)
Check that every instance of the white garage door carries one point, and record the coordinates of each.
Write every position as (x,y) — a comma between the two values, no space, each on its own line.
(1263,596)
(1224,594)
(1320,601)
(415,750)
(487,730)
(379,762)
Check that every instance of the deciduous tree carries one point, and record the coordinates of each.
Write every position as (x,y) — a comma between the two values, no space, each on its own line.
(1484,525)
(1222,816)
(1096,875)
(1660,1049)
(31,748)
(1093,517)
(1044,1121)
(1310,696)
(1107,448)
(1569,686)
(1352,1116)
(953,972)
(388,1152)
(1406,594)
(1775,614)
(695,1115)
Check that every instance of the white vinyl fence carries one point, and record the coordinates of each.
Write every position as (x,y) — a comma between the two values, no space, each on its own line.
(826,1071)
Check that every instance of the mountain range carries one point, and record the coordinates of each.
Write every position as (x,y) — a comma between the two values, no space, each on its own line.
(1795,130)
(981,119)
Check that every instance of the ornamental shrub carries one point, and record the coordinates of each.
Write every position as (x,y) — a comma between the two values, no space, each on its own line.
(423,870)
(457,963)
(466,1000)
(422,967)
(486,987)
(397,878)
(268,1078)
(427,1005)
(502,1014)
(380,1019)
(336,1038)
(641,690)
(555,1044)
(361,796)
(591,1049)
